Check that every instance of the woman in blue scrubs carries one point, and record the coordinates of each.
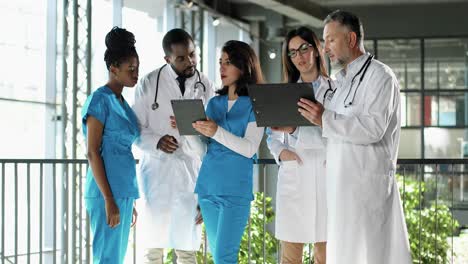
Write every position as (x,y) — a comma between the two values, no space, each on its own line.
(110,128)
(224,184)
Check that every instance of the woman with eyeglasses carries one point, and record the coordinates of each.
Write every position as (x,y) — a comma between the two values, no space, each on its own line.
(301,209)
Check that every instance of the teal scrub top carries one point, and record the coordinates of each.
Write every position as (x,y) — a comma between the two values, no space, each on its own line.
(223,171)
(120,131)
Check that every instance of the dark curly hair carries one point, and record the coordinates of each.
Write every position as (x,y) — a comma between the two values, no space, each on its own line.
(120,45)
(243,57)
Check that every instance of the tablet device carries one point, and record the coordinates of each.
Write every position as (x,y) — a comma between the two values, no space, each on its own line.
(187,111)
(276,104)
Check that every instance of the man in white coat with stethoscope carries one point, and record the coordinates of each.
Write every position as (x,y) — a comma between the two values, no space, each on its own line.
(169,217)
(361,123)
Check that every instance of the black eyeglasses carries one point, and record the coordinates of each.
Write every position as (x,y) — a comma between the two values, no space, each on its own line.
(292,53)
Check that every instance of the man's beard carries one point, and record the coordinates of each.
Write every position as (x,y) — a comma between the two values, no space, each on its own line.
(184,72)
(339,63)
(190,73)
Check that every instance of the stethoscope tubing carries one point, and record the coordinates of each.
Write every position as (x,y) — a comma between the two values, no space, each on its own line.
(155,104)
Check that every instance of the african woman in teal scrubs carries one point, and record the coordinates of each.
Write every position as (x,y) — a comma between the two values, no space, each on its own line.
(224,184)
(110,127)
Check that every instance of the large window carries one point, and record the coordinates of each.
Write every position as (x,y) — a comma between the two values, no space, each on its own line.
(224,32)
(101,25)
(145,19)
(22,85)
(404,57)
(445,63)
(433,76)
(446,97)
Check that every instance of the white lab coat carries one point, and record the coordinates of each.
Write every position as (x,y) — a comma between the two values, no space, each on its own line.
(167,210)
(366,224)
(301,208)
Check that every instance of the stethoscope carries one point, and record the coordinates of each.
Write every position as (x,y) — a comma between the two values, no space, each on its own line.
(327,91)
(197,85)
(361,71)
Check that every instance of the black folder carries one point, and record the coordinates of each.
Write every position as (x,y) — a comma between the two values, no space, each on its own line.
(275,105)
(187,111)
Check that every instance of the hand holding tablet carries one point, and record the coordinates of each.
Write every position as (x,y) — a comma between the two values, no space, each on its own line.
(188,111)
(276,105)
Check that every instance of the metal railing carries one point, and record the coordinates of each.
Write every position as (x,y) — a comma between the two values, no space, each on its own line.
(441,204)
(43,219)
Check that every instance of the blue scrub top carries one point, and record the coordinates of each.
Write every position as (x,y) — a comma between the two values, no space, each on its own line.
(223,171)
(120,131)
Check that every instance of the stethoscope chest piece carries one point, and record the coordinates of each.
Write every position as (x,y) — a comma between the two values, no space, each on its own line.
(155,106)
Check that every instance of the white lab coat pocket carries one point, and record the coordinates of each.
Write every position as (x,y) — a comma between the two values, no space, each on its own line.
(376,193)
(288,180)
(352,110)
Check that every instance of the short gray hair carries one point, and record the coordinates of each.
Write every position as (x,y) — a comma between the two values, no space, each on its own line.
(349,20)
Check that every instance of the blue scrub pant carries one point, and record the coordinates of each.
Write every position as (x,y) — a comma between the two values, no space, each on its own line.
(109,244)
(225,219)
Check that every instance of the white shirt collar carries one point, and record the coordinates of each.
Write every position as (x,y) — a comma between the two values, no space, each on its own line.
(354,66)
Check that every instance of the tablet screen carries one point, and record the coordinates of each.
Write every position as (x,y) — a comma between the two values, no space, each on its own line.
(276,104)
(187,111)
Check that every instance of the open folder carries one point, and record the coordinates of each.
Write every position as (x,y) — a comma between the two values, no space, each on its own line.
(186,112)
(276,104)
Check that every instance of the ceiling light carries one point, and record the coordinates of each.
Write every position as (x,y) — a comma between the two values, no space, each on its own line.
(272,54)
(216,21)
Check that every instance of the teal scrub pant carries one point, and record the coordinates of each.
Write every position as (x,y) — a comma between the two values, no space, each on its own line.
(225,219)
(109,244)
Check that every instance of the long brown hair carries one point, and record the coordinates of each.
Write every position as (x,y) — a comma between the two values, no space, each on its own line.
(243,57)
(290,72)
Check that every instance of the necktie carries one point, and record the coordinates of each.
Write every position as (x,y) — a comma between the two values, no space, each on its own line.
(181,81)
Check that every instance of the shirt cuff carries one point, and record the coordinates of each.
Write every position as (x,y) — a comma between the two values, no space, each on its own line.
(277,158)
(218,134)
(294,134)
